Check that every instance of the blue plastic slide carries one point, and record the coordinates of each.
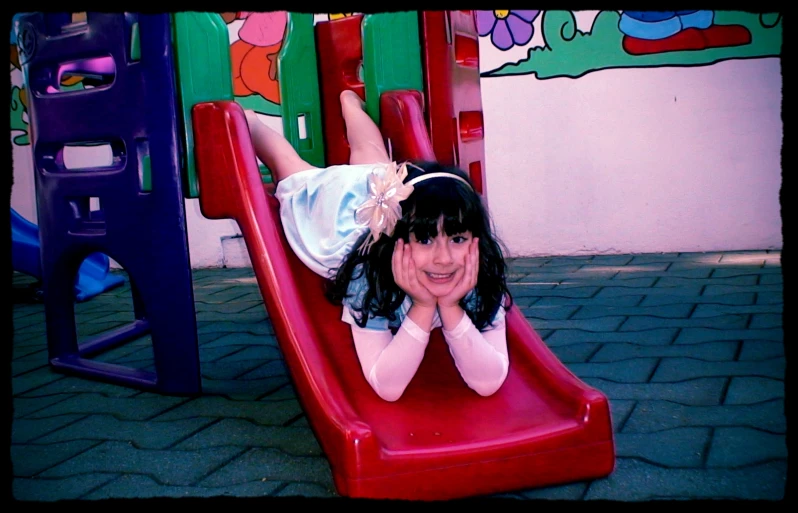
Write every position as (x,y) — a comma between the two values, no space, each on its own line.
(93,276)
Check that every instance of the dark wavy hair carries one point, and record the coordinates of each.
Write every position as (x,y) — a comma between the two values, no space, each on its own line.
(462,210)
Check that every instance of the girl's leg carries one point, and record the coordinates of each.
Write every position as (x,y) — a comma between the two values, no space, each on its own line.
(274,150)
(366,145)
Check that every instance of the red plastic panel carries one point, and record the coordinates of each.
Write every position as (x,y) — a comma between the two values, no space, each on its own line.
(451,74)
(339,49)
(402,123)
(440,440)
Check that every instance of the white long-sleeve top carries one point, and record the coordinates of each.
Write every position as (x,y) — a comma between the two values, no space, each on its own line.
(390,361)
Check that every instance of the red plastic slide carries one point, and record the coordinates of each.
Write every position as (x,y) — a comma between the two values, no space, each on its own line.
(440,440)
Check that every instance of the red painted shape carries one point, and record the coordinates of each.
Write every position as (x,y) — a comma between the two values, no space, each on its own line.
(339,48)
(692,38)
(450,47)
(440,440)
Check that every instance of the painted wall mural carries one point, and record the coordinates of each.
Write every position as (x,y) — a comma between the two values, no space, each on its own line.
(571,44)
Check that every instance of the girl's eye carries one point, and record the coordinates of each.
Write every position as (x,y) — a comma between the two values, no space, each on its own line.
(424,241)
(459,239)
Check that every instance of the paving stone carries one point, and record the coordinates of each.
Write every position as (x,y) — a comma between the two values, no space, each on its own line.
(651,258)
(261,352)
(136,486)
(648,337)
(592,301)
(50,490)
(24,406)
(567,492)
(241,339)
(635,480)
(168,467)
(306,490)
(665,311)
(619,260)
(294,440)
(652,416)
(252,315)
(35,319)
(705,391)
(261,328)
(593,325)
(580,276)
(699,335)
(719,290)
(143,434)
(125,408)
(241,389)
(708,351)
(632,272)
(680,292)
(678,448)
(20,366)
(752,390)
(228,369)
(268,413)
(592,281)
(737,447)
(680,369)
(29,460)
(771,279)
(209,355)
(726,322)
(23,351)
(271,464)
(746,257)
(747,298)
(549,312)
(766,320)
(769,298)
(620,410)
(33,380)
(675,281)
(574,353)
(625,371)
(760,350)
(25,430)
(228,307)
(561,292)
(274,368)
(733,270)
(712,310)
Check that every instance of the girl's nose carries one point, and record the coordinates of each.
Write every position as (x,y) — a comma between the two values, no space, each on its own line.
(443,254)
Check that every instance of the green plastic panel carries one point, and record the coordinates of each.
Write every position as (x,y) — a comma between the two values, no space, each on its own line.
(300,98)
(204,73)
(391,56)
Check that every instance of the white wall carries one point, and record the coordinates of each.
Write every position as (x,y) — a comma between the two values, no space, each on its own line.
(636,160)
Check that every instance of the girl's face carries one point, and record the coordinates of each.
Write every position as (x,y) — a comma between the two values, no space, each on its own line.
(440,260)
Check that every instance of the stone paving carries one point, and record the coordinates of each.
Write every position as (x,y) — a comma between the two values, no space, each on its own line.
(688,347)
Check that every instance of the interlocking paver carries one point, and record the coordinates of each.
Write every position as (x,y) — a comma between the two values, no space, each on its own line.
(698,335)
(30,460)
(306,490)
(669,281)
(136,486)
(168,467)
(740,446)
(75,385)
(712,310)
(271,464)
(598,324)
(665,311)
(769,298)
(620,409)
(752,390)
(33,380)
(682,293)
(26,430)
(51,490)
(635,480)
(766,320)
(708,351)
(704,391)
(24,406)
(648,337)
(678,447)
(142,434)
(294,440)
(761,350)
(644,322)
(549,312)
(268,413)
(574,353)
(680,369)
(719,290)
(651,416)
(728,271)
(771,279)
(568,492)
(125,408)
(744,298)
(630,300)
(637,370)
(261,328)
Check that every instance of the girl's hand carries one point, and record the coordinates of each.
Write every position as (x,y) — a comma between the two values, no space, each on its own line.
(404,274)
(467,281)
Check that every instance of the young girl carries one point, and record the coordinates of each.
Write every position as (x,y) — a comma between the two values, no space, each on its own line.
(406,248)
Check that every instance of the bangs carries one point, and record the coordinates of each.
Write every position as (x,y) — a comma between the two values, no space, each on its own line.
(447,201)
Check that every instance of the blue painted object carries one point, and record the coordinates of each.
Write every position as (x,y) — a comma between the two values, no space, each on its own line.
(127,60)
(93,277)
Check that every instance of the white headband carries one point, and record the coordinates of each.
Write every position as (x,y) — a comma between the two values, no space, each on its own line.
(437,175)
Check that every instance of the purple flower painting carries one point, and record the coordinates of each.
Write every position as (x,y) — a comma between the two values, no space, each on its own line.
(507,28)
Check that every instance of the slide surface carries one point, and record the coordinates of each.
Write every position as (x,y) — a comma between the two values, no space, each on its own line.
(440,440)
(93,276)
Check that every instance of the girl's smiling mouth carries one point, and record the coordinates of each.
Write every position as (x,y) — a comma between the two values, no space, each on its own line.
(440,278)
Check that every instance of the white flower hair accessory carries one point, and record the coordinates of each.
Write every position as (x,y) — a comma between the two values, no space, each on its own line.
(381,211)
